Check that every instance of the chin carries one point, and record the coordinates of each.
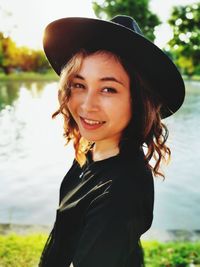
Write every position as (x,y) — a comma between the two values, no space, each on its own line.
(91,137)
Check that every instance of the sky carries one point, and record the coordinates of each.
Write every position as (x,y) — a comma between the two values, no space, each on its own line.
(25,20)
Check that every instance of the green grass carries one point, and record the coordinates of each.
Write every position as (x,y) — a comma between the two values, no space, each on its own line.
(172,254)
(25,251)
(21,251)
(191,78)
(29,76)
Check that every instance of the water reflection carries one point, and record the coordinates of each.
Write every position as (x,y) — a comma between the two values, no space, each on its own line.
(9,92)
(34,160)
(30,142)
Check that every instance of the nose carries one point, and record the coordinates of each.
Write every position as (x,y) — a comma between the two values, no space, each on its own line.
(90,102)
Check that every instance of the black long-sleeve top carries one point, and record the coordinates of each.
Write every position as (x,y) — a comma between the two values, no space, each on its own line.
(104,208)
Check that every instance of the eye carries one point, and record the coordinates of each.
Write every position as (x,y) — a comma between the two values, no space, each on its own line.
(109,90)
(77,86)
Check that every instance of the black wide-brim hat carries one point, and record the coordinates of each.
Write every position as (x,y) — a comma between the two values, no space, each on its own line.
(64,37)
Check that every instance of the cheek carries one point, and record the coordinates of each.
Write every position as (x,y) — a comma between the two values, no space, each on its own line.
(124,110)
(127,113)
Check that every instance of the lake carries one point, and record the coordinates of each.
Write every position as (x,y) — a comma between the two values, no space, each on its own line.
(34,160)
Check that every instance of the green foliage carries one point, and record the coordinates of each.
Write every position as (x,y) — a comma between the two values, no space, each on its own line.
(25,251)
(185,21)
(176,254)
(139,10)
(21,251)
(8,53)
(13,58)
(31,60)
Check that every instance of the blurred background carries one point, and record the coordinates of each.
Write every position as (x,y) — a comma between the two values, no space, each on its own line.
(33,158)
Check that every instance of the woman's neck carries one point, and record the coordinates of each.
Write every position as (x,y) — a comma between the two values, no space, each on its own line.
(103,150)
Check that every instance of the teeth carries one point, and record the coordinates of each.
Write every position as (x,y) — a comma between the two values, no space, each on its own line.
(92,122)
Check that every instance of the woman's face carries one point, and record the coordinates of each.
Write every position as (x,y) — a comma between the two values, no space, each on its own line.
(100,100)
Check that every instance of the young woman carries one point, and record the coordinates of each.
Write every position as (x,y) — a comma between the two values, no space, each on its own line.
(115,87)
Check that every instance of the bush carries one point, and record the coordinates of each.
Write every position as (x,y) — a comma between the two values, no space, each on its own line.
(176,254)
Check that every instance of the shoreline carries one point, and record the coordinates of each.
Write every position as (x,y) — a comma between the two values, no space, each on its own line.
(29,77)
(50,75)
(171,235)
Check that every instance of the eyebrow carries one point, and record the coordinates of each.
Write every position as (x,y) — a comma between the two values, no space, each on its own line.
(112,79)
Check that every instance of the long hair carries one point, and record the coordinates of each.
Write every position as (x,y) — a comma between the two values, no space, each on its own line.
(145,128)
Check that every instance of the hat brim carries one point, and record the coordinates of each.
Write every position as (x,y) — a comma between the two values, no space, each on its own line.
(64,37)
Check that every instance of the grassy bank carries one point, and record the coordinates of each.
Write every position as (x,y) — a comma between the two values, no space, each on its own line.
(25,251)
(29,76)
(51,76)
(192,78)
(21,251)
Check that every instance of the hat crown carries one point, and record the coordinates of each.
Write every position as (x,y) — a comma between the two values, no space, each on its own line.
(127,22)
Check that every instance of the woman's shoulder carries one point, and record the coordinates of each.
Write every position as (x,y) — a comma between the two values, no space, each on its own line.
(134,168)
(133,179)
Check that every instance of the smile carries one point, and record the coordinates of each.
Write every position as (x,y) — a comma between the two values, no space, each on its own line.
(91,124)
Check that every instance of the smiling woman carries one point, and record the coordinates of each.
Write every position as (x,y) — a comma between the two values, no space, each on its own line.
(112,102)
(97,101)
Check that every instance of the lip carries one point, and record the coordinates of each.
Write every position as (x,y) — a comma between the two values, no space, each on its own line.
(89,126)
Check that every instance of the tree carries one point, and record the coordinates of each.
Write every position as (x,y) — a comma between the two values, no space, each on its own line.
(185,45)
(41,63)
(139,10)
(14,58)
(32,60)
(8,52)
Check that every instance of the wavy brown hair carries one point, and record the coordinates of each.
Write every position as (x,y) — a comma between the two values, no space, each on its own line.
(145,128)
